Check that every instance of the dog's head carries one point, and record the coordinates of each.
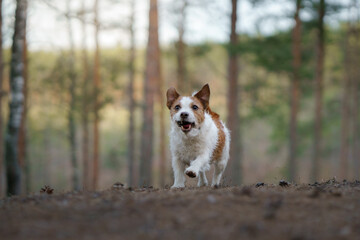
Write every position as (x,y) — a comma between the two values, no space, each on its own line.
(188,112)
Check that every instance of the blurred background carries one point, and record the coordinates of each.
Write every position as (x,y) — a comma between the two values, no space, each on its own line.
(83,86)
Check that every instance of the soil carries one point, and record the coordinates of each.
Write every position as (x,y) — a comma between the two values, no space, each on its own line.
(328,210)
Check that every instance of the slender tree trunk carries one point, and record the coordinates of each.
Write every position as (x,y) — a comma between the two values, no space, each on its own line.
(295,92)
(16,104)
(318,92)
(182,83)
(356,104)
(85,103)
(131,130)
(22,131)
(152,73)
(233,170)
(71,111)
(97,86)
(345,114)
(162,104)
(1,110)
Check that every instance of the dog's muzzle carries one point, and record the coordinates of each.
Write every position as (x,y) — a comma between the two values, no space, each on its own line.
(185,125)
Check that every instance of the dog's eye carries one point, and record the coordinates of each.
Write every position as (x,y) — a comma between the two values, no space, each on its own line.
(177,107)
(195,107)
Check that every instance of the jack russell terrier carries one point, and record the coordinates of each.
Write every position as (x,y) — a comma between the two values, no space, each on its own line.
(198,138)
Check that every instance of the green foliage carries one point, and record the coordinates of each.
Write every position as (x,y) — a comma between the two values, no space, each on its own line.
(200,50)
(271,52)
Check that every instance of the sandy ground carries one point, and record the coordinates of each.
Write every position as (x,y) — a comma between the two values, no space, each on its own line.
(329,210)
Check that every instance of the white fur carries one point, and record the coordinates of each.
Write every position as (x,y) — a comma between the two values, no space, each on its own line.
(195,148)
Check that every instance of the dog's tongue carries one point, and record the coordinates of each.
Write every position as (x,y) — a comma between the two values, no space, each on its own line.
(186,126)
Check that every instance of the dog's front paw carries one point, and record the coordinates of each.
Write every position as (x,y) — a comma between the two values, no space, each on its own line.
(191,173)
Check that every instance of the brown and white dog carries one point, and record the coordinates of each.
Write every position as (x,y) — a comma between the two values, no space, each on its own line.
(198,138)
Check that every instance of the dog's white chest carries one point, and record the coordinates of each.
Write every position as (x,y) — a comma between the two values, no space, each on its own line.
(187,150)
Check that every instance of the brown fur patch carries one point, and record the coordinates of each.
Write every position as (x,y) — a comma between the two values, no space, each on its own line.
(200,112)
(173,111)
(216,156)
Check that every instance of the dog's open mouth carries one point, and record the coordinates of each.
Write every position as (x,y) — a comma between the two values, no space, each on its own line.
(185,126)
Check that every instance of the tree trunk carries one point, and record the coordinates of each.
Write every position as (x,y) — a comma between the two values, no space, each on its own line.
(152,73)
(85,103)
(345,113)
(23,161)
(233,170)
(356,104)
(72,103)
(182,82)
(318,92)
(162,135)
(131,130)
(294,92)
(1,110)
(97,86)
(16,104)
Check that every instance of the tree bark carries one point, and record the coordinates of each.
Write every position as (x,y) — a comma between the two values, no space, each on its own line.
(131,130)
(182,82)
(23,161)
(72,104)
(16,104)
(356,104)
(97,86)
(295,92)
(319,76)
(1,110)
(345,113)
(85,104)
(152,73)
(233,170)
(162,147)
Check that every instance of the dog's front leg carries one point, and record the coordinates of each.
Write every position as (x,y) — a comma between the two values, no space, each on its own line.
(179,176)
(201,163)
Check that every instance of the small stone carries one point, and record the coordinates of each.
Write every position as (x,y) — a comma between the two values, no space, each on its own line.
(260,184)
(47,189)
(314,184)
(283,183)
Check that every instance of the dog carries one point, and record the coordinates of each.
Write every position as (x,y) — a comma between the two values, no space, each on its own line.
(198,138)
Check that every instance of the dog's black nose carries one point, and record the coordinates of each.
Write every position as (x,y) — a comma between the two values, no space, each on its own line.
(184,115)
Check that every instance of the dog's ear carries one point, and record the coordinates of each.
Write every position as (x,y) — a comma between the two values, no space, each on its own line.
(204,95)
(171,96)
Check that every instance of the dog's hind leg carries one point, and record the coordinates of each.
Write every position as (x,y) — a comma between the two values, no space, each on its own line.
(221,165)
(218,171)
(202,179)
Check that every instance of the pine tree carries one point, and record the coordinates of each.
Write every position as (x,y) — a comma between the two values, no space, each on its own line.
(152,74)
(16,105)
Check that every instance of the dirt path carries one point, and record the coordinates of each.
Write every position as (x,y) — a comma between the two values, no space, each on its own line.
(324,211)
